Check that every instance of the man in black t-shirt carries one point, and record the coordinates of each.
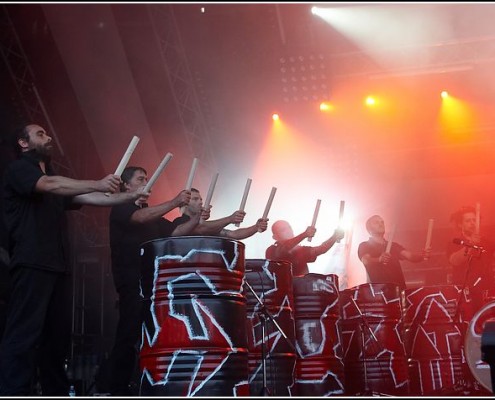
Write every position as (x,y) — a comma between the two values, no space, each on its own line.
(38,326)
(382,266)
(287,248)
(130,226)
(472,261)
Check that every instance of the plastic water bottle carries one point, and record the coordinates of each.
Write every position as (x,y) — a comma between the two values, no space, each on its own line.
(72,391)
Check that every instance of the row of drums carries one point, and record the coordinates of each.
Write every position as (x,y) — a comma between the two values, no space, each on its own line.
(217,324)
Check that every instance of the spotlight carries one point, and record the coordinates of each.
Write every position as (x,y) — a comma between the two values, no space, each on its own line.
(370,101)
(325,106)
(275,117)
(444,94)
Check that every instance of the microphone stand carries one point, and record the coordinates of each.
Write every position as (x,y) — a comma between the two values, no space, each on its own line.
(464,289)
(457,317)
(364,323)
(263,315)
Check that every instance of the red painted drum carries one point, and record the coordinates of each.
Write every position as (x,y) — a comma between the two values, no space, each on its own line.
(320,365)
(272,282)
(472,346)
(374,355)
(194,337)
(433,339)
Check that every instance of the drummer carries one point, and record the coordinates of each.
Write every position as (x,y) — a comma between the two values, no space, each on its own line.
(130,225)
(218,227)
(383,266)
(471,257)
(287,248)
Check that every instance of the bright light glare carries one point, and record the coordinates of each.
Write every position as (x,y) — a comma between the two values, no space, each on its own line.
(374,29)
(325,106)
(275,117)
(444,94)
(370,101)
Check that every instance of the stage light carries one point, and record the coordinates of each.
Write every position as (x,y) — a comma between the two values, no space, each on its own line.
(444,94)
(275,117)
(326,106)
(370,101)
(304,78)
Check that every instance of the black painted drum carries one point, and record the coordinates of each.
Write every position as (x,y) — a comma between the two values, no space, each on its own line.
(374,354)
(194,336)
(433,339)
(272,282)
(320,365)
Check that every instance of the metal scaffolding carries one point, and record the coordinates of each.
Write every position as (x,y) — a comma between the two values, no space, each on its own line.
(181,83)
(23,78)
(30,104)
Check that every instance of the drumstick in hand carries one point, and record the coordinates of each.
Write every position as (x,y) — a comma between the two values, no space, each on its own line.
(244,197)
(315,216)
(125,158)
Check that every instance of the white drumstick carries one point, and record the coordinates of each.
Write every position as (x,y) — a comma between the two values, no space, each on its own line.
(269,203)
(127,156)
(210,193)
(244,197)
(158,171)
(390,239)
(341,212)
(210,190)
(190,178)
(341,215)
(428,234)
(192,172)
(315,216)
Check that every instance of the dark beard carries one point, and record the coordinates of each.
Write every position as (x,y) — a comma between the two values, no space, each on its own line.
(41,155)
(44,152)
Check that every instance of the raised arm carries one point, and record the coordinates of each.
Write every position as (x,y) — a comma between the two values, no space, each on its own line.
(327,244)
(187,227)
(287,245)
(102,199)
(214,227)
(147,214)
(243,233)
(64,186)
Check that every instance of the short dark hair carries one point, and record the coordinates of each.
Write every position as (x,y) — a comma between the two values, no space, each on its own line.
(128,174)
(458,215)
(194,190)
(19,132)
(368,221)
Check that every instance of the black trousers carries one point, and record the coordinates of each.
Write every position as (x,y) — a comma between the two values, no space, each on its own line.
(125,351)
(37,332)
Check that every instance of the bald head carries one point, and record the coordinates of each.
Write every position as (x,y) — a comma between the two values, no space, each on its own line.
(282,230)
(375,225)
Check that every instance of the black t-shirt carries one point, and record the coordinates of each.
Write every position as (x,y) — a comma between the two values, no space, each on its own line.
(299,256)
(181,220)
(480,271)
(36,222)
(383,273)
(126,238)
